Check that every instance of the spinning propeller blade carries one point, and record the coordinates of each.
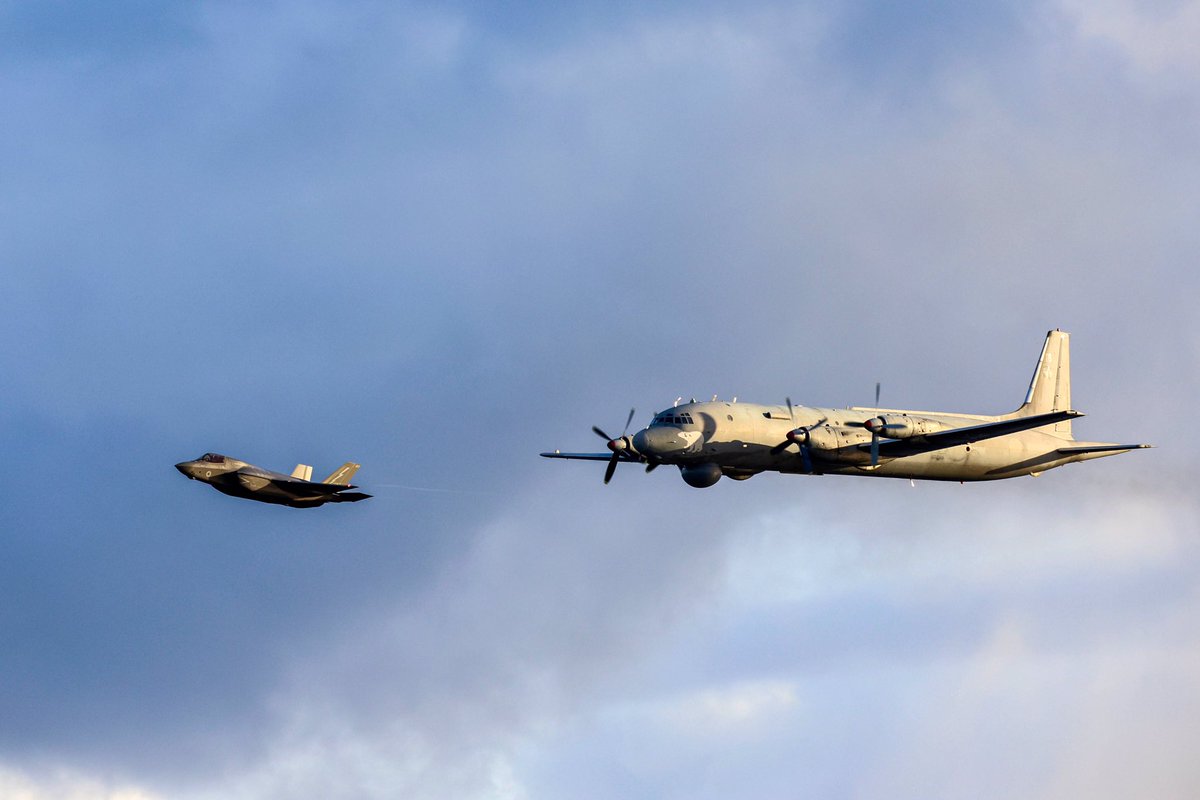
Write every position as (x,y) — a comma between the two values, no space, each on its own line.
(618,445)
(612,466)
(792,437)
(779,448)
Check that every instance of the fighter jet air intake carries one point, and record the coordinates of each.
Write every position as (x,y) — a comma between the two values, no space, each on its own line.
(708,440)
(298,490)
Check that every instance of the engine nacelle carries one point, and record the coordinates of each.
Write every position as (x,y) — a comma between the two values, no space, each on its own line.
(820,438)
(903,426)
(700,476)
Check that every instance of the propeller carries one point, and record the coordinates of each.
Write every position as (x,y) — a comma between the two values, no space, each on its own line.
(875,425)
(797,436)
(777,449)
(618,446)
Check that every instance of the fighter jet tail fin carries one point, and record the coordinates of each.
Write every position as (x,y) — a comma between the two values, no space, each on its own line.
(1050,389)
(303,472)
(342,475)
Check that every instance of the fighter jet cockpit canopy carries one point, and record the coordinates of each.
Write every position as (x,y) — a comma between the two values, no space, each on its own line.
(671,418)
(212,458)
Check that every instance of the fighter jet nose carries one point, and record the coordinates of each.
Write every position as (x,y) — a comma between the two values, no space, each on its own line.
(182,466)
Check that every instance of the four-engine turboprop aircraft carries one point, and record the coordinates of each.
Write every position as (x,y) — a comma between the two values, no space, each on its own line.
(297,490)
(739,440)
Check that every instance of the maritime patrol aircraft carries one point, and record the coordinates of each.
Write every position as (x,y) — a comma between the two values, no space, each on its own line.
(298,490)
(708,440)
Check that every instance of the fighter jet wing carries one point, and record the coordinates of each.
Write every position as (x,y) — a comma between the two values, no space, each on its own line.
(253,482)
(592,456)
(896,448)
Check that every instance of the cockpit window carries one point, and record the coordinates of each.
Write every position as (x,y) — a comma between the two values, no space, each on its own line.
(673,419)
(213,458)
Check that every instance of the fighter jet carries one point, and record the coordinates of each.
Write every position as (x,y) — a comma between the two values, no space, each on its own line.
(298,490)
(708,440)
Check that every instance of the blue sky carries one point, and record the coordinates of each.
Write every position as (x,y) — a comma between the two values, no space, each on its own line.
(437,239)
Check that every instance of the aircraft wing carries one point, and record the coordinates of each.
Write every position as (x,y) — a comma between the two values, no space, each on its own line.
(591,456)
(896,448)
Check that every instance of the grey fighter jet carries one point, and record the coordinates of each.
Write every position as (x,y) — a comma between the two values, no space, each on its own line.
(709,440)
(298,490)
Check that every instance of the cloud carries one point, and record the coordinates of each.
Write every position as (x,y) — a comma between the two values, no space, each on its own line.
(437,242)
(1155,39)
(741,704)
(19,785)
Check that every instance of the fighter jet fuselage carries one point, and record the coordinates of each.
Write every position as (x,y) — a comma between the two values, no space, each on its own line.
(240,479)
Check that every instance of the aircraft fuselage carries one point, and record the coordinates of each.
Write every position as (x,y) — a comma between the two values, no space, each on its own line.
(740,439)
(240,479)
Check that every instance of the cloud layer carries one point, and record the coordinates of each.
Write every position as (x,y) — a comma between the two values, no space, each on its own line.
(437,240)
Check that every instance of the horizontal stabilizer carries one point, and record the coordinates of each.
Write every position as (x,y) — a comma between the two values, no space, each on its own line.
(348,497)
(1101,448)
(332,488)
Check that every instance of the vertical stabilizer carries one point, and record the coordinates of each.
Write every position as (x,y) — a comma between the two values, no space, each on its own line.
(1050,389)
(342,475)
(303,472)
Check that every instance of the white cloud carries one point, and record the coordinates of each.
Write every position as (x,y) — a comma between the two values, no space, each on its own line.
(965,538)
(1157,38)
(18,784)
(737,706)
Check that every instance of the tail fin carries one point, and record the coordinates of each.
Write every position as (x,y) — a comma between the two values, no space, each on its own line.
(303,472)
(342,475)
(1050,389)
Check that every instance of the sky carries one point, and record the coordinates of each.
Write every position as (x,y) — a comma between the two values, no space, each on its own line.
(437,239)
